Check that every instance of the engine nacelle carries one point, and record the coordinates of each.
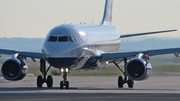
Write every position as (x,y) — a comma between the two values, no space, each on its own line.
(138,68)
(14,69)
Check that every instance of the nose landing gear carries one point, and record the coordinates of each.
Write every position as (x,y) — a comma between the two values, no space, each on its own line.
(64,82)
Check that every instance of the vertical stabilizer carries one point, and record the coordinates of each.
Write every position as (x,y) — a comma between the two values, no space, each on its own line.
(107,18)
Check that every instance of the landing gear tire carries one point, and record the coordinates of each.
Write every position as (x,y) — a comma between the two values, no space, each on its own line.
(120,82)
(67,84)
(61,85)
(130,83)
(64,83)
(39,81)
(49,81)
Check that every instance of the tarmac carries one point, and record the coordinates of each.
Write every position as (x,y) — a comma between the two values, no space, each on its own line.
(155,88)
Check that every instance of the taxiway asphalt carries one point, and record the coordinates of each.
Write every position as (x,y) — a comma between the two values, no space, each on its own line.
(155,88)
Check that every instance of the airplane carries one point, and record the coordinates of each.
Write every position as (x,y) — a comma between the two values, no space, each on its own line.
(87,47)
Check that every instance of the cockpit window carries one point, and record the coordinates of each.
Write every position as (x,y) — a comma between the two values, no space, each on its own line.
(53,39)
(63,39)
(72,39)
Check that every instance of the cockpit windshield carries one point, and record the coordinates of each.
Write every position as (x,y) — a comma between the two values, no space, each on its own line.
(62,39)
(53,39)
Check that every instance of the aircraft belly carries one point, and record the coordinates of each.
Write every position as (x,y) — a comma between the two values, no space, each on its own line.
(74,59)
(68,62)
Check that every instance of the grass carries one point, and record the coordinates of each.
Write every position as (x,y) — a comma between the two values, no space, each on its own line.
(112,71)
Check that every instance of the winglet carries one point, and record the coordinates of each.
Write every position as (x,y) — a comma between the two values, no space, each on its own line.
(107,18)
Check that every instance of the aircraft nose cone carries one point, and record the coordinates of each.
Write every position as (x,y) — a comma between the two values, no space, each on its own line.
(62,55)
(62,50)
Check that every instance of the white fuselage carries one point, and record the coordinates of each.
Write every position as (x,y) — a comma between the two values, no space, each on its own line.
(79,46)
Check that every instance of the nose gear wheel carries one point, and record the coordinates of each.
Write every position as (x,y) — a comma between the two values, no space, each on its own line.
(64,82)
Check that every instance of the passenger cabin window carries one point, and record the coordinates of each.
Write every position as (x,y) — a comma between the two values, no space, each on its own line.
(63,39)
(52,39)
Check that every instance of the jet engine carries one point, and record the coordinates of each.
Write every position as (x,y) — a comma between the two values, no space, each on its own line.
(138,68)
(14,69)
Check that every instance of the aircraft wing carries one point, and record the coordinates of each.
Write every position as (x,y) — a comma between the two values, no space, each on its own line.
(121,55)
(22,53)
(146,33)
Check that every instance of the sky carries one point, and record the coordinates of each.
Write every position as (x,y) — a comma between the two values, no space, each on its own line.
(34,18)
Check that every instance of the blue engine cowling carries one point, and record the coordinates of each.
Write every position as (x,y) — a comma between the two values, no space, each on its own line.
(14,69)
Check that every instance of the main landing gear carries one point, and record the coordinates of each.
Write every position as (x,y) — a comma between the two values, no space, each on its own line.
(121,80)
(64,82)
(42,79)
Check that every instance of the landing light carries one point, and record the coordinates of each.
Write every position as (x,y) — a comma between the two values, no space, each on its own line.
(62,70)
(107,62)
(67,69)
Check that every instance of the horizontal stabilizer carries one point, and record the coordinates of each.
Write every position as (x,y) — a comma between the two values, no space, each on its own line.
(146,33)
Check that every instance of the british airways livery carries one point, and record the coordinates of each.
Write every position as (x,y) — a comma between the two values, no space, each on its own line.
(84,46)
